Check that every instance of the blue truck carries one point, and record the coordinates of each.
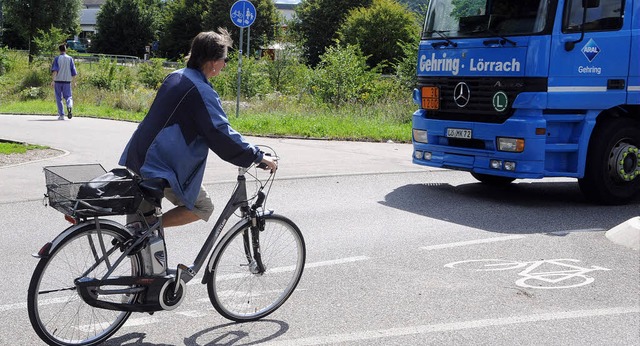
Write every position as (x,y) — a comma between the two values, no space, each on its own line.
(530,89)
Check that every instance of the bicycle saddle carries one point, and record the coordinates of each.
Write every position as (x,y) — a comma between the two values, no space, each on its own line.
(153,190)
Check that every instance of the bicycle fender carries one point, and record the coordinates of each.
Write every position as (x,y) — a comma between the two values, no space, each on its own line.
(56,241)
(208,269)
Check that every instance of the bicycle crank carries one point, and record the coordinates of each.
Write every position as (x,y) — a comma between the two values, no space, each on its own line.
(152,293)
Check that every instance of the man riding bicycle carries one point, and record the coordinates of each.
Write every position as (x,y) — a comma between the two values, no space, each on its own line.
(185,120)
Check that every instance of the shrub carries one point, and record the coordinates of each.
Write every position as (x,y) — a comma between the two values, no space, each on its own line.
(151,73)
(342,76)
(37,75)
(255,79)
(136,100)
(33,93)
(111,76)
(406,67)
(287,74)
(4,61)
(225,83)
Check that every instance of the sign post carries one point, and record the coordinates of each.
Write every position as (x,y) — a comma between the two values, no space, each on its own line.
(243,14)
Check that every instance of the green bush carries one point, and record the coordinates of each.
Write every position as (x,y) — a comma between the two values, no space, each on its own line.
(136,100)
(33,93)
(255,79)
(287,74)
(225,84)
(111,76)
(342,76)
(37,75)
(4,60)
(406,67)
(151,73)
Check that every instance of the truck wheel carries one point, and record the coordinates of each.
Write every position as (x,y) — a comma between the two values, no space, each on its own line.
(492,179)
(612,170)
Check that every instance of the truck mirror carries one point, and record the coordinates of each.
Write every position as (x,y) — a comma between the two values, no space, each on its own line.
(590,3)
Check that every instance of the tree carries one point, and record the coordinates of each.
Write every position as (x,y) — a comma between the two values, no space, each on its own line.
(27,17)
(316,21)
(466,8)
(263,30)
(379,29)
(418,6)
(123,27)
(181,23)
(48,41)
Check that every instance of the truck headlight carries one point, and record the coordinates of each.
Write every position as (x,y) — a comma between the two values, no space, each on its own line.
(514,145)
(420,136)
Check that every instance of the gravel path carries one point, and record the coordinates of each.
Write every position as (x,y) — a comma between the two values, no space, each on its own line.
(30,155)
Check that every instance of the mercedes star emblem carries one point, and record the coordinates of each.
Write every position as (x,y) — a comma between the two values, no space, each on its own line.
(461,94)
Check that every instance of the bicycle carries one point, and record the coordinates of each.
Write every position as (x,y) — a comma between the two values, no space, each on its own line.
(94,274)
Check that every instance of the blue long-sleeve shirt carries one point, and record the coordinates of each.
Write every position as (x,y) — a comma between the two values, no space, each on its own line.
(172,142)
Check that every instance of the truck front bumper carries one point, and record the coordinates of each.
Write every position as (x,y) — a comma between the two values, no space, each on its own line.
(480,153)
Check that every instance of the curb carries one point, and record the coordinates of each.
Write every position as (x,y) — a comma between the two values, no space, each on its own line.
(626,234)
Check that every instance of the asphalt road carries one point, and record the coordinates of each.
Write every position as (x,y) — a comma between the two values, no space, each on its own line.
(398,255)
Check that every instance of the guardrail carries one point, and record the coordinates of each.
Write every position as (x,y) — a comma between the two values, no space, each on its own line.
(120,59)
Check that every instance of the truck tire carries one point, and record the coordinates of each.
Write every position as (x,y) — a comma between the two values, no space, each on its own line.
(612,170)
(492,179)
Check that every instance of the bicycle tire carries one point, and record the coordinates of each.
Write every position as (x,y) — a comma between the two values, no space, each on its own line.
(241,296)
(57,312)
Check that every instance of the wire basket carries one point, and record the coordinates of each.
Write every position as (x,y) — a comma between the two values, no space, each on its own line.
(67,188)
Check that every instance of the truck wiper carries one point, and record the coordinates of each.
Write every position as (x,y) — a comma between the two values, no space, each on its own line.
(502,41)
(448,42)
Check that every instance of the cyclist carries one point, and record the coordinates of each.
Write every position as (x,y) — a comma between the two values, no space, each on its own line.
(185,120)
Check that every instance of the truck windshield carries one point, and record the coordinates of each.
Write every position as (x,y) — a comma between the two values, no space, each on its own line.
(485,18)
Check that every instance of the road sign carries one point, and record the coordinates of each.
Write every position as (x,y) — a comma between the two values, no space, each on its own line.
(243,13)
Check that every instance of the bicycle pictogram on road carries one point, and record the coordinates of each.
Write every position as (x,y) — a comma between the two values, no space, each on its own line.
(544,274)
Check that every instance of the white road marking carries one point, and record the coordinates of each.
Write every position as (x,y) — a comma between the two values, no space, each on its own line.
(194,313)
(472,242)
(134,322)
(336,261)
(443,327)
(291,268)
(15,306)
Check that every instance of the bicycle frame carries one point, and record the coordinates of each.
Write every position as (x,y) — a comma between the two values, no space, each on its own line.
(238,200)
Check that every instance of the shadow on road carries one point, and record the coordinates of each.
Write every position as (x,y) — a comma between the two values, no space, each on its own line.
(536,207)
(229,334)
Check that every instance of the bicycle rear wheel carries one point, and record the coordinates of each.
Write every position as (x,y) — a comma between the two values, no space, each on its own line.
(236,290)
(57,312)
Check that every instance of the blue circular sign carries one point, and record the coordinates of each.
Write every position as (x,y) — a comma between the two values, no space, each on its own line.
(243,13)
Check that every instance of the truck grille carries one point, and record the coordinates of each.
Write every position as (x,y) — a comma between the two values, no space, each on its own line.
(481,94)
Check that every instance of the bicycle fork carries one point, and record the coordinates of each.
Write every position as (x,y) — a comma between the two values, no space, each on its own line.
(251,239)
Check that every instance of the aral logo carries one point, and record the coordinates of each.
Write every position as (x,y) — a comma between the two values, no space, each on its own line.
(590,50)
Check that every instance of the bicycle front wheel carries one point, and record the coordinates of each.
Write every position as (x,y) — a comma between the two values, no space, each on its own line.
(57,312)
(241,292)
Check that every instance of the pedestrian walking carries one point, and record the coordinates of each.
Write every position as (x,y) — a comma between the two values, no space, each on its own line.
(63,72)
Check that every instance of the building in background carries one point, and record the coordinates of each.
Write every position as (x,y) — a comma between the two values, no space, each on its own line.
(286,7)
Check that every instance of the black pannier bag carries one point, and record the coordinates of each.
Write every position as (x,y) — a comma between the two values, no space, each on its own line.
(113,193)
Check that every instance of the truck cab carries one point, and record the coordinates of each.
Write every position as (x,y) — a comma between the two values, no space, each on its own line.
(531,89)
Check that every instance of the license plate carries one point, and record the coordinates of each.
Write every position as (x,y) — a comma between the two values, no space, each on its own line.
(459,133)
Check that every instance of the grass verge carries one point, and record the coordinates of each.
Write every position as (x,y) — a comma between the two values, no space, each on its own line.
(7,148)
